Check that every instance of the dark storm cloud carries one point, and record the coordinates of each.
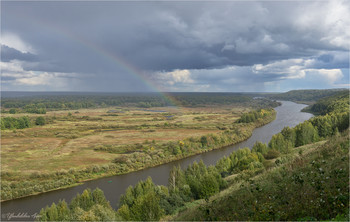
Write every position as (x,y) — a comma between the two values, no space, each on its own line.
(8,54)
(91,37)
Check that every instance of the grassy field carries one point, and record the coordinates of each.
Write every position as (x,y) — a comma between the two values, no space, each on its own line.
(106,141)
(70,140)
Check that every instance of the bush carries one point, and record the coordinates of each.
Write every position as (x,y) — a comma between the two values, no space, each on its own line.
(272,154)
(40,121)
(120,159)
(12,111)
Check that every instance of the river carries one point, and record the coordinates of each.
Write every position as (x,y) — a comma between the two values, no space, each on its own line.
(288,114)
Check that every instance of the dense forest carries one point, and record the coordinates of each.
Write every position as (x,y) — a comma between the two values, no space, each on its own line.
(269,182)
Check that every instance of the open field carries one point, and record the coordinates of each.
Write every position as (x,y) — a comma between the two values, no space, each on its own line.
(69,141)
(77,145)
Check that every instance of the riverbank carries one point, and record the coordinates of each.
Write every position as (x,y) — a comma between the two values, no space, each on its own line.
(127,163)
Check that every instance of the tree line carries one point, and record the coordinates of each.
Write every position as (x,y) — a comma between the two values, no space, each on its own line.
(41,103)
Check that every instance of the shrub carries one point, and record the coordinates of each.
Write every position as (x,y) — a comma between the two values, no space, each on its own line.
(120,159)
(272,154)
(40,121)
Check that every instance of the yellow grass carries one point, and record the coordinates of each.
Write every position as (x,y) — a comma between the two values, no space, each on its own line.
(69,142)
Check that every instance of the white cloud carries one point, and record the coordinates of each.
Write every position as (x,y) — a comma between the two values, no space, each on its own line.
(326,75)
(230,78)
(13,74)
(36,79)
(14,66)
(14,41)
(299,69)
(286,69)
(332,19)
(176,76)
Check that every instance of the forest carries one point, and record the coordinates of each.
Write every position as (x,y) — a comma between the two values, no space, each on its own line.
(301,174)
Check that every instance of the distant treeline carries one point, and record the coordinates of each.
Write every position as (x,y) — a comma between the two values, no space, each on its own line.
(40,104)
(149,202)
(307,95)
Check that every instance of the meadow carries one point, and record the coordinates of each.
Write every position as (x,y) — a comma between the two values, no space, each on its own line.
(82,144)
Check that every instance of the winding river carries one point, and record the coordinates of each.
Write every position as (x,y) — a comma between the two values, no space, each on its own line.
(288,114)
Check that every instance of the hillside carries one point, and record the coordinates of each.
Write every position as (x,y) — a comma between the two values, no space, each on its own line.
(306,96)
(338,102)
(311,185)
(307,182)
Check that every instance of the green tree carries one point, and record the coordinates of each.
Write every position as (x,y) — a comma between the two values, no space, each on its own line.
(2,124)
(43,214)
(86,200)
(86,216)
(278,142)
(63,211)
(40,121)
(204,141)
(208,186)
(52,214)
(194,185)
(147,208)
(289,135)
(124,212)
(260,147)
(223,165)
(305,134)
(127,198)
(21,123)
(176,179)
(99,198)
(103,213)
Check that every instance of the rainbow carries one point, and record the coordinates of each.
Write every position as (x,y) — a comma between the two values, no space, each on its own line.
(114,57)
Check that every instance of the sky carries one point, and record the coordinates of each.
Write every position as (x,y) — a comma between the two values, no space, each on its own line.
(183,46)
